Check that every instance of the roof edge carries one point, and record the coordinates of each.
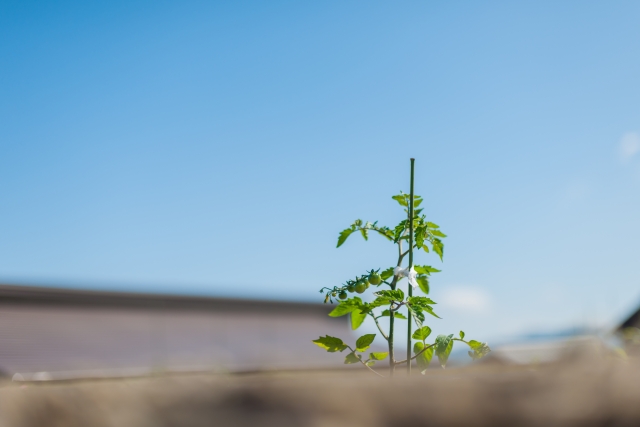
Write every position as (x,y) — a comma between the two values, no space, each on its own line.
(57,296)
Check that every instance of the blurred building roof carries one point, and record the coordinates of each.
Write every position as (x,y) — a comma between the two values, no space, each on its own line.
(632,321)
(75,333)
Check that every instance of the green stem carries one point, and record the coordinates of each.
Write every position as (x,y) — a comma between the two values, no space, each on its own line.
(375,319)
(392,365)
(410,266)
(392,285)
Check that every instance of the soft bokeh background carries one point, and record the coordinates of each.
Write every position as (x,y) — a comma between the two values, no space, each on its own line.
(218,148)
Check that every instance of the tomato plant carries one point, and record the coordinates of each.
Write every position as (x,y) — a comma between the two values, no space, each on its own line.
(417,234)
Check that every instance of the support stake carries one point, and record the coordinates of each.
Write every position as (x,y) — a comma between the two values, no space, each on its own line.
(410,266)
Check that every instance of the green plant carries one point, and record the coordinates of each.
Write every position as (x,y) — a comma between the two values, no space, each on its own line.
(422,235)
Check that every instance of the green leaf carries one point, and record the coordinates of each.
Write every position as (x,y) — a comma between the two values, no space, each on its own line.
(416,201)
(424,359)
(344,234)
(364,233)
(378,356)
(380,301)
(422,333)
(442,341)
(351,358)
(397,232)
(417,314)
(347,306)
(419,233)
(461,335)
(342,310)
(431,312)
(423,283)
(385,231)
(480,349)
(438,247)
(425,248)
(357,317)
(401,198)
(444,344)
(425,269)
(438,233)
(367,307)
(395,295)
(331,344)
(444,357)
(386,273)
(432,225)
(364,342)
(474,344)
(387,313)
(422,301)
(420,269)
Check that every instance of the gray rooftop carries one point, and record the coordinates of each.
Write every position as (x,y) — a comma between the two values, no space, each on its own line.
(68,332)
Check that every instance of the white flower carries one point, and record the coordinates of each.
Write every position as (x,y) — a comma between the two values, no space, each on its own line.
(405,272)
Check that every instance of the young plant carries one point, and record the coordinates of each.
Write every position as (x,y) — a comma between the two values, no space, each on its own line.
(422,235)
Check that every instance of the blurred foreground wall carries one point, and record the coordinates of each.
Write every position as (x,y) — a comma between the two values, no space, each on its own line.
(75,333)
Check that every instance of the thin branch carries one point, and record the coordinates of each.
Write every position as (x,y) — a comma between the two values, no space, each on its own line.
(417,354)
(367,366)
(375,319)
(384,282)
(397,306)
(380,231)
(394,281)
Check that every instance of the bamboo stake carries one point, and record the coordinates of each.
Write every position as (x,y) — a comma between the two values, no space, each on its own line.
(410,266)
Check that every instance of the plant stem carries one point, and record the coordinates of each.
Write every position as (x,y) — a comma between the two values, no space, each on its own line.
(398,305)
(392,285)
(410,266)
(392,365)
(375,319)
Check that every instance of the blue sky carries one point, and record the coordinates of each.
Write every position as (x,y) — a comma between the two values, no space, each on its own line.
(218,148)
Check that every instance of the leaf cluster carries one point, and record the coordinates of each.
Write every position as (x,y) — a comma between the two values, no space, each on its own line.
(355,307)
(425,232)
(333,344)
(364,228)
(418,306)
(479,349)
(442,347)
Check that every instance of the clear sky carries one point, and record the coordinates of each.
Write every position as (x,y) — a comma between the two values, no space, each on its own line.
(219,147)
